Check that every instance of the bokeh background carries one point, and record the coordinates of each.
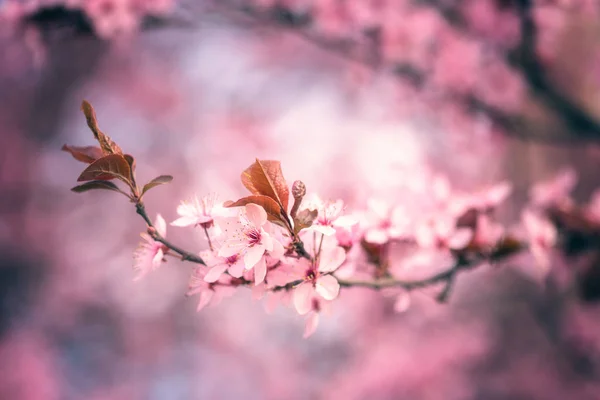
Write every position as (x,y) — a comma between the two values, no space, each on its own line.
(199,92)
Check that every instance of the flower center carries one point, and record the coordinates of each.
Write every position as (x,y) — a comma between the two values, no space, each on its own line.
(232,259)
(311,275)
(253,236)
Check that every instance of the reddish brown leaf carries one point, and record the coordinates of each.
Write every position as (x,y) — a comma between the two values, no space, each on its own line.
(304,219)
(159,180)
(271,207)
(107,168)
(87,154)
(96,185)
(106,143)
(131,161)
(265,178)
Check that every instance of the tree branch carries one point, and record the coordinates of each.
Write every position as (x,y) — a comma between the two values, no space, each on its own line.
(185,256)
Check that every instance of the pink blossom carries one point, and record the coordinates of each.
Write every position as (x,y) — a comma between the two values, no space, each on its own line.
(440,231)
(487,232)
(384,222)
(330,216)
(318,305)
(316,276)
(491,197)
(198,212)
(246,236)
(542,237)
(149,254)
(233,265)
(210,292)
(556,191)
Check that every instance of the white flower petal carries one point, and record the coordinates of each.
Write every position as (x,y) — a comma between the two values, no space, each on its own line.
(256,215)
(160,225)
(327,287)
(303,298)
(253,255)
(215,273)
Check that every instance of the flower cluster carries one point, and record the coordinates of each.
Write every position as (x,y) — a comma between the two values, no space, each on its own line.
(303,252)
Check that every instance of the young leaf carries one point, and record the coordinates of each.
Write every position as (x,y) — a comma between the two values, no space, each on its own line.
(159,180)
(96,185)
(131,161)
(304,219)
(87,154)
(107,168)
(106,143)
(265,178)
(271,207)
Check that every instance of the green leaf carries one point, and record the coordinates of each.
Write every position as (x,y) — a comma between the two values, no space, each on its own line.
(159,180)
(96,185)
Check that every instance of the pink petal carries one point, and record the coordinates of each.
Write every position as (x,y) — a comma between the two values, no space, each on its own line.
(331,259)
(278,249)
(379,208)
(460,239)
(205,298)
(230,248)
(237,268)
(327,287)
(260,271)
(303,298)
(345,221)
(253,255)
(377,236)
(215,273)
(160,225)
(425,236)
(324,229)
(256,215)
(266,240)
(312,321)
(498,193)
(184,221)
(157,259)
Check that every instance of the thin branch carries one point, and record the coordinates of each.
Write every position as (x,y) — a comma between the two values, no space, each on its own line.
(444,276)
(525,58)
(185,256)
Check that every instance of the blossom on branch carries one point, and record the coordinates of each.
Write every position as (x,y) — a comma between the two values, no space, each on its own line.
(385,222)
(210,292)
(330,216)
(198,212)
(247,236)
(542,237)
(150,253)
(315,275)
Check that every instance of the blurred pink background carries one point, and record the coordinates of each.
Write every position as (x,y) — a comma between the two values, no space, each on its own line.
(201,104)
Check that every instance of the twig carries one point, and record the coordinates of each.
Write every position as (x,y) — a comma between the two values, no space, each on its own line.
(185,256)
(445,276)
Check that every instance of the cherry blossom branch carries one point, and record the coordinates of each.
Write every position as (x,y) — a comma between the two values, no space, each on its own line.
(525,58)
(444,276)
(185,255)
